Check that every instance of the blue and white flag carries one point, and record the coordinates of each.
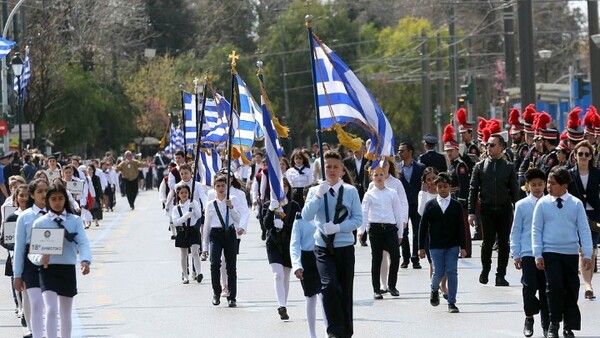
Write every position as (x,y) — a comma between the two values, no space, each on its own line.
(273,151)
(5,47)
(209,166)
(344,100)
(25,75)
(214,126)
(246,128)
(189,114)
(175,140)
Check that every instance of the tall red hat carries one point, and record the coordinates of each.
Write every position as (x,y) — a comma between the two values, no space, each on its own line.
(448,138)
(461,118)
(529,115)
(493,127)
(513,120)
(542,127)
(574,129)
(588,120)
(480,128)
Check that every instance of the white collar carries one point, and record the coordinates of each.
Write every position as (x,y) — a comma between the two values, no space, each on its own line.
(564,197)
(336,187)
(534,199)
(440,198)
(36,209)
(53,216)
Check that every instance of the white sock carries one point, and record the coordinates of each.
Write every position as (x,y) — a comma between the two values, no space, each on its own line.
(26,309)
(279,278)
(36,304)
(320,297)
(311,315)
(66,309)
(183,261)
(51,304)
(196,258)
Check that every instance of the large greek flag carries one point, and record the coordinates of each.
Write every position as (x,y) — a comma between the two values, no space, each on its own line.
(209,165)
(273,150)
(214,126)
(246,128)
(5,47)
(189,114)
(344,100)
(26,74)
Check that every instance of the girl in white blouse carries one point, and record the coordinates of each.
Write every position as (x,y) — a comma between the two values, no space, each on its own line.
(299,175)
(185,215)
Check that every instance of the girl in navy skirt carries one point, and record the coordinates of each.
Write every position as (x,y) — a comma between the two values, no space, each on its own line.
(58,280)
(25,272)
(279,227)
(185,215)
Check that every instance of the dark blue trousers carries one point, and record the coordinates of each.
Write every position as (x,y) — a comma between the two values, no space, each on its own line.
(226,243)
(563,288)
(534,282)
(337,280)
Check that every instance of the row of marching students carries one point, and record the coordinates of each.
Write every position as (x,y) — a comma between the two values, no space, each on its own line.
(206,223)
(46,284)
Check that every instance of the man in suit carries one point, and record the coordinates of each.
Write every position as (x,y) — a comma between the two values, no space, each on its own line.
(432,158)
(410,172)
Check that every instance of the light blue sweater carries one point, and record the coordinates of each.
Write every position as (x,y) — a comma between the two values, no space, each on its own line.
(72,224)
(560,230)
(314,209)
(23,237)
(520,235)
(303,239)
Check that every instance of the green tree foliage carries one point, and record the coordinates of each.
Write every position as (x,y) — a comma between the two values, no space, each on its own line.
(173,21)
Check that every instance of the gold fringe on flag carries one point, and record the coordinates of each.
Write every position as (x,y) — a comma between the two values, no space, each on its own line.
(237,153)
(346,139)
(282,131)
(370,156)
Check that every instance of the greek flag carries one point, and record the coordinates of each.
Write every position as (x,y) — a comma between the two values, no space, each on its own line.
(247,129)
(5,47)
(344,100)
(209,165)
(189,114)
(26,74)
(273,150)
(175,141)
(214,126)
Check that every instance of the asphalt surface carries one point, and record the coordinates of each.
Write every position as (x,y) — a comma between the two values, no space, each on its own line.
(134,290)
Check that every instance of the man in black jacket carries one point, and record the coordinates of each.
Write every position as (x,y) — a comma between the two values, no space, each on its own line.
(495,181)
(432,158)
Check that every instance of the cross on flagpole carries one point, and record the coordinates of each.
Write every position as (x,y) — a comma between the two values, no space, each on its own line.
(233,57)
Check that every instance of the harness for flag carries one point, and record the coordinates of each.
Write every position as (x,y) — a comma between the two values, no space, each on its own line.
(25,76)
(189,115)
(5,47)
(210,164)
(343,100)
(272,146)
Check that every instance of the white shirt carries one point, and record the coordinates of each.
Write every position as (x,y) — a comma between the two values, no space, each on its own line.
(443,202)
(212,220)
(199,194)
(395,184)
(376,206)
(358,163)
(298,180)
(424,197)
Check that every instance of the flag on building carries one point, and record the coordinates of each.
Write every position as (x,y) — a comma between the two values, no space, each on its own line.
(5,47)
(343,100)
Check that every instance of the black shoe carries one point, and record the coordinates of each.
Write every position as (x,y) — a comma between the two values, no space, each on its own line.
(404,264)
(483,277)
(377,295)
(553,330)
(394,292)
(363,244)
(23,321)
(199,278)
(477,237)
(589,294)
(216,300)
(28,335)
(452,308)
(445,296)
(434,299)
(263,236)
(172,237)
(568,333)
(382,291)
(416,265)
(500,281)
(528,327)
(231,303)
(282,312)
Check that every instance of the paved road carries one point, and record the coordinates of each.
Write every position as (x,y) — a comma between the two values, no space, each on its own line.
(134,290)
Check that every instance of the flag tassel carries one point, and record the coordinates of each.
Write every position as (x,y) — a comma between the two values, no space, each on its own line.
(346,139)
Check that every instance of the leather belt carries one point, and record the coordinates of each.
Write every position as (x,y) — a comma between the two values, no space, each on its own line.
(382,225)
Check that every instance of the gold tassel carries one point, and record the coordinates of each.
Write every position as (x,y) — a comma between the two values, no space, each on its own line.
(281,130)
(370,156)
(346,139)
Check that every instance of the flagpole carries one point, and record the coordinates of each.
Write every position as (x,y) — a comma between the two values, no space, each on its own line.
(199,127)
(309,20)
(233,57)
(182,121)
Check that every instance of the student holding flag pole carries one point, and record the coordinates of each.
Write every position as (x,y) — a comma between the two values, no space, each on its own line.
(334,241)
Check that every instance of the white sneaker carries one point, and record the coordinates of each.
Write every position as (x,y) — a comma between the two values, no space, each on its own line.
(186,280)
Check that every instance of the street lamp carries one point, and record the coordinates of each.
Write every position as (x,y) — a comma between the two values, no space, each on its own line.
(545,54)
(17,68)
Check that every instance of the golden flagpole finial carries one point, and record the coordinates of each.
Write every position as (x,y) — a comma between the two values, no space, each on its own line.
(233,57)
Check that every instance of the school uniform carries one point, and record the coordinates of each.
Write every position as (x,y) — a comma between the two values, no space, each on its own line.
(222,240)
(180,220)
(299,177)
(442,225)
(23,267)
(278,240)
(60,275)
(336,263)
(302,246)
(533,279)
(385,229)
(560,229)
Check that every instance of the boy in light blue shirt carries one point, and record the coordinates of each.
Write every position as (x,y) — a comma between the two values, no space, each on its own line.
(533,280)
(559,226)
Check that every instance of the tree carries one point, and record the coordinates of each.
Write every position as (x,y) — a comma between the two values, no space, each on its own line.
(173,21)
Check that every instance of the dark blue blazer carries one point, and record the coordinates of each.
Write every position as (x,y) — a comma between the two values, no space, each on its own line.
(434,159)
(413,187)
(590,193)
